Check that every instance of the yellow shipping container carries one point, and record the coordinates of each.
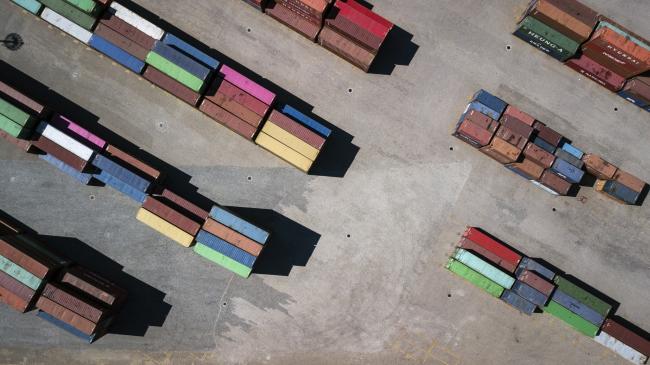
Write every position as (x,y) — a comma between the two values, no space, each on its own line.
(276,147)
(290,140)
(164,227)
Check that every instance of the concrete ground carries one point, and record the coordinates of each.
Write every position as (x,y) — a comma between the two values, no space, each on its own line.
(374,289)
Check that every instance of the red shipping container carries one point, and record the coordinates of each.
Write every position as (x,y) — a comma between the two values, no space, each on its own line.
(355,32)
(598,167)
(68,299)
(518,114)
(133,162)
(489,255)
(629,180)
(17,288)
(292,20)
(170,215)
(597,73)
(296,129)
(555,183)
(539,155)
(364,17)
(200,213)
(238,95)
(506,254)
(537,282)
(28,102)
(473,134)
(511,137)
(58,311)
(17,252)
(617,53)
(482,120)
(45,145)
(127,30)
(228,120)
(232,237)
(171,86)
(345,48)
(94,285)
(517,126)
(237,109)
(121,41)
(13,300)
(529,168)
(20,143)
(548,134)
(627,336)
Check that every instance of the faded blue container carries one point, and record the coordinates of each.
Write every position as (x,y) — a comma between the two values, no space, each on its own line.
(189,50)
(249,230)
(121,186)
(566,156)
(116,53)
(66,327)
(518,302)
(481,108)
(307,121)
(575,306)
(490,101)
(69,170)
(225,248)
(181,60)
(544,145)
(633,99)
(569,172)
(532,265)
(32,6)
(621,192)
(121,173)
(577,153)
(529,293)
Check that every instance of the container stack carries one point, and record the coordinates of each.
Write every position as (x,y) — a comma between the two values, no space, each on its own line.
(18,116)
(169,219)
(294,137)
(489,264)
(537,152)
(77,18)
(230,241)
(302,16)
(637,92)
(354,33)
(123,176)
(82,302)
(237,102)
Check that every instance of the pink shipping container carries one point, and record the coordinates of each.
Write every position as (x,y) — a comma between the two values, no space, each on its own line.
(247,85)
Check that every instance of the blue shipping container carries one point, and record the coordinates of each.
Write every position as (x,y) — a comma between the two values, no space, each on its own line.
(189,50)
(621,192)
(225,248)
(569,172)
(544,145)
(490,101)
(529,293)
(633,99)
(566,156)
(518,302)
(120,186)
(307,121)
(475,105)
(79,176)
(247,229)
(577,153)
(575,306)
(118,171)
(117,54)
(181,60)
(532,265)
(66,327)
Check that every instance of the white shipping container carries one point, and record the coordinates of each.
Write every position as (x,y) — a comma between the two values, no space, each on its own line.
(65,141)
(137,21)
(65,25)
(621,349)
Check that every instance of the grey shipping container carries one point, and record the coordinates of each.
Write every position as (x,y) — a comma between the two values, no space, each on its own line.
(529,293)
(518,302)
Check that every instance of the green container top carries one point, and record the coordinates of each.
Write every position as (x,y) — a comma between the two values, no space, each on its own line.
(222,260)
(9,126)
(484,268)
(88,6)
(583,296)
(475,278)
(13,112)
(19,273)
(550,34)
(71,12)
(581,325)
(175,72)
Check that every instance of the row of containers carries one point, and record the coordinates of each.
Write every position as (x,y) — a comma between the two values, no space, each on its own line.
(532,286)
(220,236)
(190,74)
(592,44)
(65,294)
(344,27)
(540,154)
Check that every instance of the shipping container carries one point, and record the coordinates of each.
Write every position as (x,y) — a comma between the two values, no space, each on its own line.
(555,183)
(66,327)
(122,173)
(567,171)
(290,141)
(520,115)
(165,228)
(568,17)
(637,91)
(598,73)
(17,288)
(60,312)
(620,332)
(548,134)
(512,137)
(230,220)
(225,248)
(172,70)
(479,119)
(532,265)
(299,130)
(238,95)
(346,49)
(19,273)
(583,296)
(306,121)
(529,293)
(185,204)
(191,51)
(127,30)
(32,6)
(598,167)
(57,136)
(521,304)
(517,126)
(629,180)
(231,236)
(577,307)
(71,171)
(170,215)
(621,192)
(16,114)
(71,12)
(566,156)
(617,53)
(621,349)
(484,268)
(491,101)
(73,301)
(12,129)
(78,132)
(13,300)
(121,42)
(236,109)
(121,156)
(222,260)
(60,153)
(576,152)
(137,21)
(527,169)
(536,281)
(14,249)
(297,23)
(247,85)
(225,118)
(487,254)
(473,134)
(475,278)
(547,39)
(579,324)
(539,155)
(477,236)
(475,105)
(121,186)
(94,285)
(539,142)
(501,151)
(34,106)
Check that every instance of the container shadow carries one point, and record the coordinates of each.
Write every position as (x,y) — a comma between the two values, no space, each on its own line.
(643,195)
(398,50)
(144,307)
(290,244)
(5,217)
(588,181)
(335,159)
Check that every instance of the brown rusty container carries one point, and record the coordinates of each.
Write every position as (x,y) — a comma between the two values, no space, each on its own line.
(122,42)
(617,53)
(555,183)
(20,143)
(133,162)
(67,298)
(28,102)
(511,137)
(170,215)
(539,155)
(304,134)
(627,336)
(518,114)
(482,120)
(17,288)
(292,20)
(352,30)
(345,48)
(237,95)
(127,30)
(473,134)
(19,253)
(228,120)
(94,285)
(47,146)
(491,256)
(501,151)
(190,207)
(171,86)
(542,285)
(517,126)
(548,134)
(13,300)
(232,237)
(58,311)
(237,109)
(629,180)
(597,72)
(529,168)
(598,167)
(639,87)
(569,17)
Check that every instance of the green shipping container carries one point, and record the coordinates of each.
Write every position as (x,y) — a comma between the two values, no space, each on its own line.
(71,12)
(19,273)
(475,278)
(583,296)
(484,268)
(32,6)
(88,6)
(14,113)
(222,260)
(12,128)
(547,39)
(173,71)
(572,319)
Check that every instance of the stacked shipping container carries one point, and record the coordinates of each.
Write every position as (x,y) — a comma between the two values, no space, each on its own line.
(589,43)
(530,286)
(67,295)
(538,153)
(172,64)
(303,16)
